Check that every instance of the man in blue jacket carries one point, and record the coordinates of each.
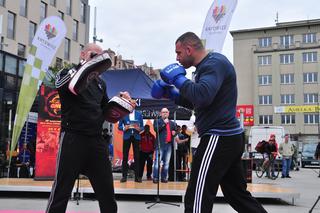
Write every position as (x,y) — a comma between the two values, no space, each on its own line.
(131,125)
(213,97)
(165,131)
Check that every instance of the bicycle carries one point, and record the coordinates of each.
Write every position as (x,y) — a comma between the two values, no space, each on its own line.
(272,165)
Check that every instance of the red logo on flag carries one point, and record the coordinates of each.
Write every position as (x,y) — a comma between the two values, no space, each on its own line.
(50,31)
(218,12)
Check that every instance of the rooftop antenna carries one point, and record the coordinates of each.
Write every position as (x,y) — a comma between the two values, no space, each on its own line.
(277,18)
(95,39)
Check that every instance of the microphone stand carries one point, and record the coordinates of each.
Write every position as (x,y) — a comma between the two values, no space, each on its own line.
(157,198)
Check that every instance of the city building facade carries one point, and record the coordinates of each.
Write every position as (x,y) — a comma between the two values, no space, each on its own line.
(19,20)
(278,73)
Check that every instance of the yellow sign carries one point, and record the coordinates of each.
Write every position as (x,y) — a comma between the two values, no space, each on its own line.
(295,109)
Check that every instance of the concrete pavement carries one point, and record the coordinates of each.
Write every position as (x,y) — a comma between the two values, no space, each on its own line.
(305,181)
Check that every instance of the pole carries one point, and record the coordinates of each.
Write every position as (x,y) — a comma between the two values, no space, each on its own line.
(174,151)
(9,136)
(318,110)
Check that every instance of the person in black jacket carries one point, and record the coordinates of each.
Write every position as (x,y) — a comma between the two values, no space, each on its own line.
(82,148)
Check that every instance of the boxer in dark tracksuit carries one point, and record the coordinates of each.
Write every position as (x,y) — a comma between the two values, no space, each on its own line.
(82,148)
(213,97)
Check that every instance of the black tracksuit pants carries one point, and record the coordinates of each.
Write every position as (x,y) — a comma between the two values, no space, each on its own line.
(125,152)
(86,155)
(146,157)
(218,162)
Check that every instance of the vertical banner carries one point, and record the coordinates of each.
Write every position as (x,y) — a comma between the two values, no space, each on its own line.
(48,131)
(44,46)
(217,23)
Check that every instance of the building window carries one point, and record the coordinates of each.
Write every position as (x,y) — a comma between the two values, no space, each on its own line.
(287,78)
(32,31)
(21,67)
(264,60)
(83,12)
(75,30)
(265,99)
(61,15)
(286,58)
(43,11)
(1,61)
(265,42)
(66,48)
(265,119)
(23,8)
(286,41)
(59,63)
(21,50)
(10,82)
(310,77)
(265,79)
(288,119)
(287,99)
(68,7)
(311,118)
(11,25)
(310,98)
(53,2)
(10,65)
(309,57)
(309,38)
(2,3)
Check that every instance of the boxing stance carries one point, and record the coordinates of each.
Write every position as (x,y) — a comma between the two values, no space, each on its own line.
(213,97)
(81,147)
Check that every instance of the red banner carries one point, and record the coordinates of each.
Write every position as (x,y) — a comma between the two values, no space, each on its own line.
(247,114)
(48,130)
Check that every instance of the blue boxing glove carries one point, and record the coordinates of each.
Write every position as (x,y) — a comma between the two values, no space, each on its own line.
(174,74)
(160,89)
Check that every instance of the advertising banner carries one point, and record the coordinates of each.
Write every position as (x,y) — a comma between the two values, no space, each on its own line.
(48,131)
(247,114)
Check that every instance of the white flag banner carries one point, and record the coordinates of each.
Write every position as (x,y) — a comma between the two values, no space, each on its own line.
(45,44)
(217,23)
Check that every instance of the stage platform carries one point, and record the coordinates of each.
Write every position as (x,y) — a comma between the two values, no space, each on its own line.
(144,188)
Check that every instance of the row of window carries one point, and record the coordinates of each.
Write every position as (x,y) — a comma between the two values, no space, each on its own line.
(309,118)
(308,98)
(307,57)
(287,40)
(33,27)
(288,78)
(23,8)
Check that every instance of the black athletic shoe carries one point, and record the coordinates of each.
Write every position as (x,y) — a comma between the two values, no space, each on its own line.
(138,180)
(123,180)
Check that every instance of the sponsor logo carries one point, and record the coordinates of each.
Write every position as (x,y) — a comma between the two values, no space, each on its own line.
(218,12)
(53,105)
(50,31)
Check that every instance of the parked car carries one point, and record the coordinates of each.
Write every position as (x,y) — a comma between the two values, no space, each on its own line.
(307,155)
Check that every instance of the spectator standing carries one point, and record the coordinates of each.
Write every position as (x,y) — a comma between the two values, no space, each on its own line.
(286,149)
(24,161)
(146,151)
(165,130)
(195,140)
(131,125)
(182,153)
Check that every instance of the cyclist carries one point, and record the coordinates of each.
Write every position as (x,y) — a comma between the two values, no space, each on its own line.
(269,154)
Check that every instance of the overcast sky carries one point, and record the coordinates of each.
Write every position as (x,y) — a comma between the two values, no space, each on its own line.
(145,31)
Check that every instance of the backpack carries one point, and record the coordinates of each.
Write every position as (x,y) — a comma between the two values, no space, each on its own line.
(260,146)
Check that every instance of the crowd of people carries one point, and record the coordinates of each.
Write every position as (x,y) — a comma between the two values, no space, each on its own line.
(151,150)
